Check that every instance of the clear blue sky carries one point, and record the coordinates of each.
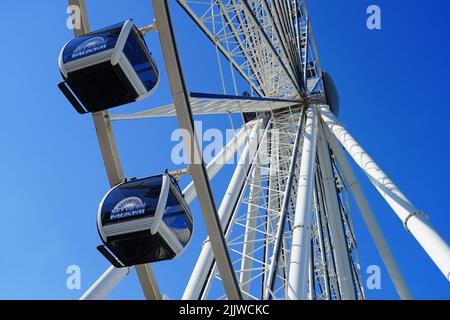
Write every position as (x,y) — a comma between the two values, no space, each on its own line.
(395,100)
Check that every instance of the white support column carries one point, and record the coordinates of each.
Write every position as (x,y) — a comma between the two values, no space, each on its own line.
(250,230)
(280,228)
(311,271)
(369,217)
(105,284)
(414,220)
(297,288)
(343,268)
(148,282)
(197,166)
(204,263)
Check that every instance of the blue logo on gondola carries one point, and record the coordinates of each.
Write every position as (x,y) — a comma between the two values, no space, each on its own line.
(129,207)
(91,45)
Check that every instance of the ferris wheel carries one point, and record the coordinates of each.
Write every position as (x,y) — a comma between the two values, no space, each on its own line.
(283,229)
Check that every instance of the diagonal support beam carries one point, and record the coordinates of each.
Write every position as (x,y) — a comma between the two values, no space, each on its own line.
(252,64)
(196,285)
(281,36)
(413,220)
(197,166)
(109,280)
(250,230)
(105,284)
(301,231)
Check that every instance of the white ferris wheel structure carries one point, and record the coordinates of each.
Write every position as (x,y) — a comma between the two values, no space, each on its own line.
(283,229)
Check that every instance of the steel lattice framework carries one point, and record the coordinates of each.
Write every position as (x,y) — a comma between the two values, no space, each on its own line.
(284,228)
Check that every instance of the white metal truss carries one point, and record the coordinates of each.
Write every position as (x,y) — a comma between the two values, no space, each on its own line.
(251,231)
(208,104)
(252,228)
(259,40)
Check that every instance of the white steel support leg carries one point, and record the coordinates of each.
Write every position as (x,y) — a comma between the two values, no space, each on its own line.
(240,200)
(204,263)
(414,220)
(369,217)
(113,167)
(220,160)
(343,269)
(300,261)
(148,282)
(250,230)
(105,284)
(273,200)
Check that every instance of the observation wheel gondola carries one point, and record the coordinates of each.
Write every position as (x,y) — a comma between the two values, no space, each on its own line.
(107,68)
(144,220)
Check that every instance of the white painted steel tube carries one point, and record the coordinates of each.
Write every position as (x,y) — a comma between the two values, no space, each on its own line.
(343,268)
(301,247)
(197,167)
(369,217)
(114,170)
(414,220)
(109,280)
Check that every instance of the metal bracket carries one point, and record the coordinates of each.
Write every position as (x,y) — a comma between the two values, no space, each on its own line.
(179,173)
(417,213)
(146,29)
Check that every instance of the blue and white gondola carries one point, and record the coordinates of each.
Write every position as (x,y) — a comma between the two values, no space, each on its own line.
(143,221)
(107,68)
